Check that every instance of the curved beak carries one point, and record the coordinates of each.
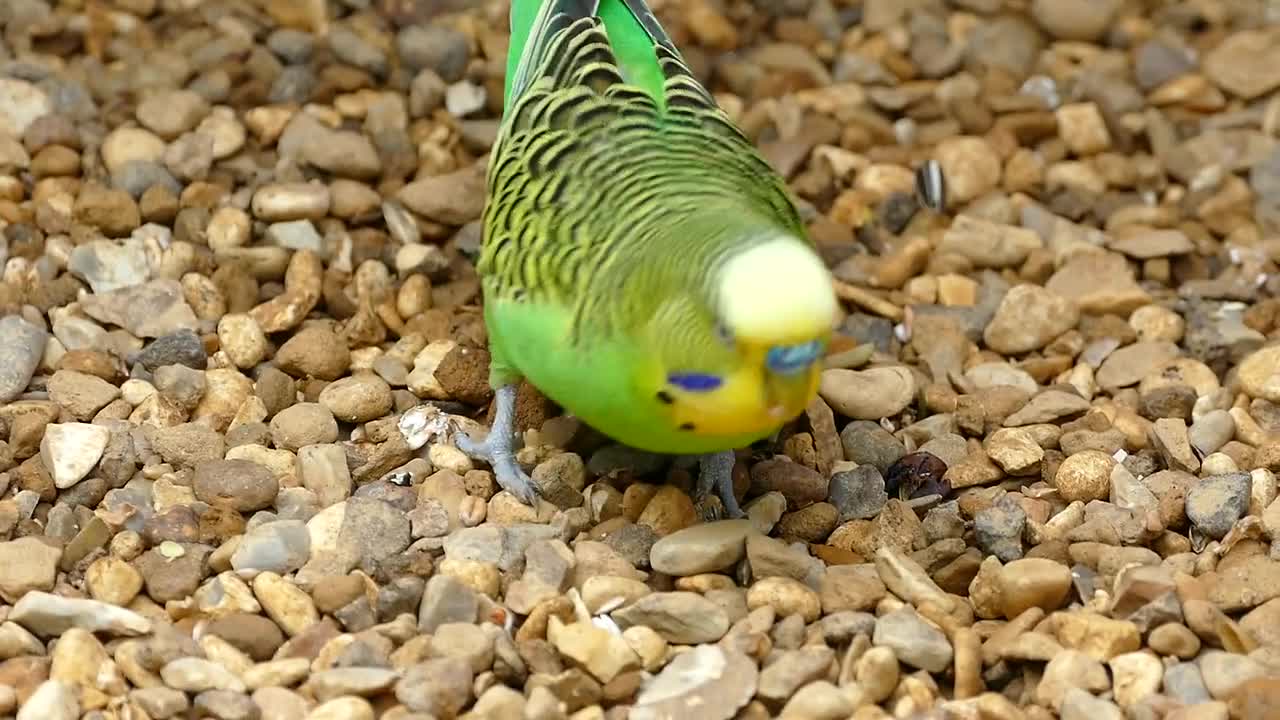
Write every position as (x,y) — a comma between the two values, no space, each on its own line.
(788,394)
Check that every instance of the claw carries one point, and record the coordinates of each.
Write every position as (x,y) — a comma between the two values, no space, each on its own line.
(498,449)
(710,511)
(716,472)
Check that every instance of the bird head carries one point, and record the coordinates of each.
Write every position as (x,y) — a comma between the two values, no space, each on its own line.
(770,312)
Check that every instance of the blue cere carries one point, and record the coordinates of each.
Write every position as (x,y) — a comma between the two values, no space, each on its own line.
(787,359)
(695,382)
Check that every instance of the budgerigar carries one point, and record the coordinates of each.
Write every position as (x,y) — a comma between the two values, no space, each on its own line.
(642,265)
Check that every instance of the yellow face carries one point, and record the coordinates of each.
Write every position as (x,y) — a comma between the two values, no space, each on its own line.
(771,317)
(768,387)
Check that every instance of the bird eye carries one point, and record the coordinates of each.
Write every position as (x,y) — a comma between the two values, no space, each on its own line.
(695,382)
(724,334)
(786,359)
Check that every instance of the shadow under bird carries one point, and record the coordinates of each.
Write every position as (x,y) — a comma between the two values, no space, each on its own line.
(642,265)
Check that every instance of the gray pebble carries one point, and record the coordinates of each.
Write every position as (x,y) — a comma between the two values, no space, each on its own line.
(944,522)
(402,497)
(426,93)
(183,347)
(135,176)
(858,494)
(160,702)
(21,347)
(375,529)
(502,546)
(914,641)
(1184,683)
(1213,430)
(434,47)
(279,547)
(633,542)
(998,529)
(871,330)
(294,84)
(353,49)
(295,235)
(292,46)
(297,503)
(1158,61)
(106,267)
(446,600)
(865,442)
(402,596)
(213,85)
(226,705)
(440,686)
(840,627)
(69,97)
(1215,503)
(1217,335)
(1264,177)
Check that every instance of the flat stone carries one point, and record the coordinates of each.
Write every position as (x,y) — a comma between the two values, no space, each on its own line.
(21,347)
(21,104)
(998,529)
(192,674)
(1099,283)
(439,687)
(52,700)
(27,564)
(1245,63)
(1096,635)
(70,450)
(1246,584)
(1070,670)
(679,617)
(916,642)
(280,547)
(1214,504)
(50,615)
(720,679)
(1046,407)
(1132,363)
(1028,318)
(150,310)
(708,547)
(850,588)
(1223,672)
(793,669)
(1080,705)
(603,654)
(363,681)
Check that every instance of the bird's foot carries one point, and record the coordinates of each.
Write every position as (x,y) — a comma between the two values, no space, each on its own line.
(498,449)
(715,472)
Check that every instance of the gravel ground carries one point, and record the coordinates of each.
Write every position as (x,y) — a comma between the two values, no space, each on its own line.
(239,309)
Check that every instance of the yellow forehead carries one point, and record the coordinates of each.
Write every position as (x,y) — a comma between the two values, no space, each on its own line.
(777,292)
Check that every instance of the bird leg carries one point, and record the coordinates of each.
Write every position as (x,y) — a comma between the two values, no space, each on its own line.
(498,449)
(715,471)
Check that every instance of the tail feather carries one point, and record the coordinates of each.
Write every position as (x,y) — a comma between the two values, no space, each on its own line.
(533,24)
(639,10)
(635,46)
(635,37)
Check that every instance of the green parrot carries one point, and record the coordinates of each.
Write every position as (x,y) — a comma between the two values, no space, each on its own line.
(641,265)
